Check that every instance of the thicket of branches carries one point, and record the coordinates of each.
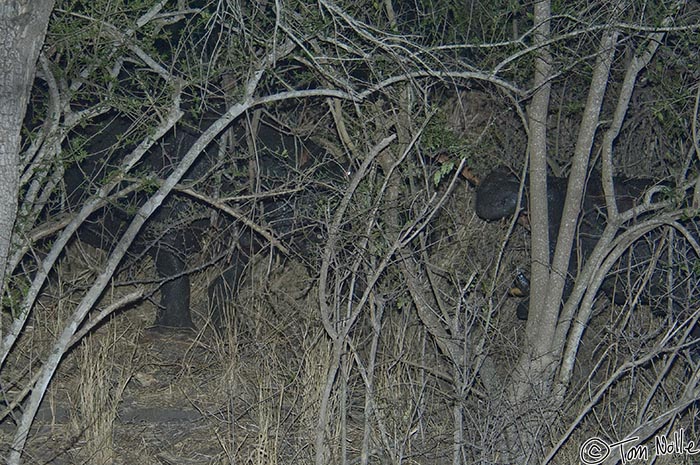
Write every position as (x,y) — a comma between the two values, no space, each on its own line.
(410,349)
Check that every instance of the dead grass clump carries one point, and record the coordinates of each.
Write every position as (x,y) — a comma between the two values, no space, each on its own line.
(104,372)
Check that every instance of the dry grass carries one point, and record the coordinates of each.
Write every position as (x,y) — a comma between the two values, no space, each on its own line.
(252,393)
(101,384)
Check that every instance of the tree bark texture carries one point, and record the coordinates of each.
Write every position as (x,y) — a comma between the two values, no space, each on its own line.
(23,26)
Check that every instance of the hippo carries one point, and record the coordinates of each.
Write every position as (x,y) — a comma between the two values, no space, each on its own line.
(497,197)
(173,233)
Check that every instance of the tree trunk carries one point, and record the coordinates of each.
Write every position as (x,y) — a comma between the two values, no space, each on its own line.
(542,320)
(528,380)
(23,26)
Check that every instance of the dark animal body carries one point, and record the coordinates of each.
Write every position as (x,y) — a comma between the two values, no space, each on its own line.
(657,277)
(173,233)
